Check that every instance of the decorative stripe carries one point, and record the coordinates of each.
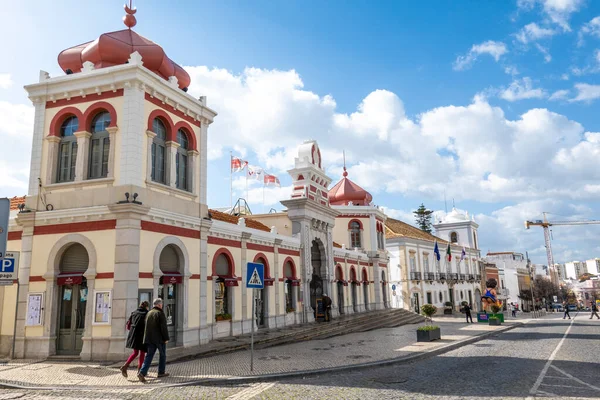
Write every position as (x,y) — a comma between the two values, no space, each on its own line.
(260,247)
(170,230)
(224,242)
(195,276)
(338,259)
(209,278)
(75,227)
(16,235)
(383,265)
(105,275)
(90,97)
(145,275)
(366,264)
(172,110)
(289,252)
(37,278)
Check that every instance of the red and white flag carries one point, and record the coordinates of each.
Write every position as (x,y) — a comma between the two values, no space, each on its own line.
(254,172)
(271,180)
(237,164)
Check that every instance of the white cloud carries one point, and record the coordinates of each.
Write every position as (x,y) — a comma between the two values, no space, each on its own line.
(556,11)
(545,52)
(493,48)
(522,89)
(511,70)
(586,92)
(15,135)
(564,77)
(559,95)
(5,81)
(591,28)
(532,32)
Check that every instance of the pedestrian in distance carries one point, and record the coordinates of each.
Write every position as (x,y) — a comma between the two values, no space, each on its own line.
(566,307)
(156,337)
(136,324)
(594,310)
(467,308)
(327,306)
(513,310)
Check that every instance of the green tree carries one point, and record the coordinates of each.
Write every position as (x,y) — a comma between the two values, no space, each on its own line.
(423,218)
(544,289)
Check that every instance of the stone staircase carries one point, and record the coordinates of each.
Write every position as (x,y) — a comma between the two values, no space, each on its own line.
(265,338)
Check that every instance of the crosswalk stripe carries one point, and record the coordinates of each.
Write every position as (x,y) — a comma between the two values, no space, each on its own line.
(252,391)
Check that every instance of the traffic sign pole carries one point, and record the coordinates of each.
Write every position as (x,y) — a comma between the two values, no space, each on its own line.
(252,334)
(255,280)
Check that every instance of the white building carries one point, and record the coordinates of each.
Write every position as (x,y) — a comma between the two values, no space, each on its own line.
(507,263)
(417,275)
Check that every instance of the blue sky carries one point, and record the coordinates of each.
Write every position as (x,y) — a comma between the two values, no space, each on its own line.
(493,102)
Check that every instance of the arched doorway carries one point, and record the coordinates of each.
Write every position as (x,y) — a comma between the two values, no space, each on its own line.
(339,277)
(384,289)
(169,289)
(262,299)
(223,270)
(354,289)
(317,253)
(289,273)
(73,299)
(365,282)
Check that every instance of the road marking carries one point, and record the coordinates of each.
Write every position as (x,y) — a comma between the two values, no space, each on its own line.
(540,378)
(569,386)
(252,391)
(575,379)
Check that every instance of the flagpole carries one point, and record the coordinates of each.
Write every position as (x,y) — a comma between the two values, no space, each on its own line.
(263,196)
(230,181)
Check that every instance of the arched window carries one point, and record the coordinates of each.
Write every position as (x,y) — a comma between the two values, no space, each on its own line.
(68,150)
(222,292)
(288,273)
(158,151)
(453,237)
(181,161)
(99,146)
(355,235)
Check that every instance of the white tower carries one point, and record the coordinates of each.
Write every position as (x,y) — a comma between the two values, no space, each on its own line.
(459,229)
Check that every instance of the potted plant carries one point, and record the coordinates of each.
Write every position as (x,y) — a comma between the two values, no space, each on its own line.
(223,317)
(496,312)
(428,332)
(448,308)
(290,310)
(495,321)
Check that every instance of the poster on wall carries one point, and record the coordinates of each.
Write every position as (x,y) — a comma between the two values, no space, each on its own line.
(102,307)
(35,309)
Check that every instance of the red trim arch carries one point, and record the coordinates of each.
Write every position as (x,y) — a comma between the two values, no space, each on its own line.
(353,273)
(355,220)
(365,275)
(293,268)
(94,109)
(229,256)
(189,132)
(266,263)
(165,119)
(61,116)
(339,268)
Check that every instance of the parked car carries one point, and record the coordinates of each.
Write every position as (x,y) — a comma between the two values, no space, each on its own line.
(557,307)
(572,307)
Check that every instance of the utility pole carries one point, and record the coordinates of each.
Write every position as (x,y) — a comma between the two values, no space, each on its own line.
(531,275)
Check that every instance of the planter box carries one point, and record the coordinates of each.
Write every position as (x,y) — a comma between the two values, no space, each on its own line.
(428,336)
(499,316)
(447,311)
(495,322)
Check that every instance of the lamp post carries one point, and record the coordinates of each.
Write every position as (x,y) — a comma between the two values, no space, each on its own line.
(531,274)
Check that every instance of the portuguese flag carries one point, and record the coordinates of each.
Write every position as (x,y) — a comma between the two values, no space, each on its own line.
(449,253)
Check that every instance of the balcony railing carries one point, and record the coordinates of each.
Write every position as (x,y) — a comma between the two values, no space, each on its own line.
(441,276)
(471,277)
(477,277)
(462,277)
(453,276)
(415,276)
(429,276)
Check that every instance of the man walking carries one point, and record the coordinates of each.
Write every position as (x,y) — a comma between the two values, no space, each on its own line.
(327,306)
(594,310)
(156,337)
(467,308)
(566,306)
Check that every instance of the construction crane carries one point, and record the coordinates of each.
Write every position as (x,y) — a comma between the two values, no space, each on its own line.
(545,224)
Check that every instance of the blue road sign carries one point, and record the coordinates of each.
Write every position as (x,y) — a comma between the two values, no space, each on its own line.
(255,278)
(4,215)
(393,287)
(9,266)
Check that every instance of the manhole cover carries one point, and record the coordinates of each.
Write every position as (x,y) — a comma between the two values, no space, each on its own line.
(358,357)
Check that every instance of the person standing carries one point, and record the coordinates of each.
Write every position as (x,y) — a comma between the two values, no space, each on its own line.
(566,306)
(467,308)
(327,306)
(594,310)
(513,310)
(156,337)
(135,338)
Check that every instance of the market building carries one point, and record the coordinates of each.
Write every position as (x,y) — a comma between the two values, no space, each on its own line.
(116,213)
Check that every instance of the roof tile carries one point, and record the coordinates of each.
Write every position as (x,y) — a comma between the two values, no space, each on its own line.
(233,219)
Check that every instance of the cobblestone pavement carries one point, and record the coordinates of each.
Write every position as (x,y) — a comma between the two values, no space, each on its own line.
(549,358)
(354,348)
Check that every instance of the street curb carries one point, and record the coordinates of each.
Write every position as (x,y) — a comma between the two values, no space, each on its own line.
(270,377)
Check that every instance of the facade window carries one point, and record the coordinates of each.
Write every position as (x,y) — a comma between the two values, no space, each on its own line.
(181,161)
(474,240)
(158,151)
(99,146)
(429,298)
(288,272)
(437,265)
(67,157)
(355,235)
(222,292)
(426,263)
(413,263)
(453,237)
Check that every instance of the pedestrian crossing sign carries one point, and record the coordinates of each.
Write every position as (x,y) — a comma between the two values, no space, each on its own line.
(255,278)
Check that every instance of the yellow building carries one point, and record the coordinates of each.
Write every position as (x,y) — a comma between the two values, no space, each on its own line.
(116,213)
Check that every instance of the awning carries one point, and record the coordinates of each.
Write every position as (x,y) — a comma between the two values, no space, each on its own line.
(229,282)
(171,278)
(69,279)
(269,281)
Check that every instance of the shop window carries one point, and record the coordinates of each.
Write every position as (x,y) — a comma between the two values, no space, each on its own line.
(68,150)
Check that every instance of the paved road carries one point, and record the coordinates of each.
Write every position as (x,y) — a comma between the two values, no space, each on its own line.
(548,358)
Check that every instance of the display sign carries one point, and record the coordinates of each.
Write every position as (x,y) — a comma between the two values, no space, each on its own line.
(69,279)
(35,309)
(320,311)
(393,287)
(255,278)
(171,279)
(9,266)
(102,307)
(4,215)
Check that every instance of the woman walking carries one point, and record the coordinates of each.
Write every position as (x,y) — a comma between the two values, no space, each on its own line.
(135,339)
